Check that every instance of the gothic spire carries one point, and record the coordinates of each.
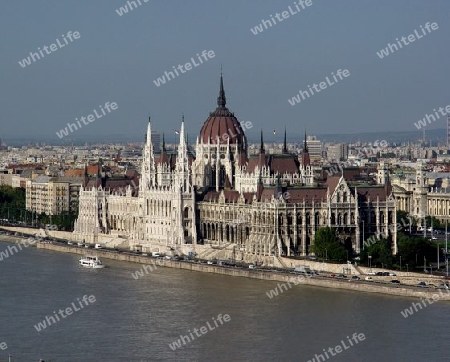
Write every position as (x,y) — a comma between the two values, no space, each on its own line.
(221,100)
(284,151)
(163,144)
(149,132)
(261,148)
(305,147)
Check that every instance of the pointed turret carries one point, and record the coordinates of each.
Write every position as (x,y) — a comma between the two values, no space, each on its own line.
(221,100)
(261,147)
(182,167)
(305,154)
(285,150)
(148,168)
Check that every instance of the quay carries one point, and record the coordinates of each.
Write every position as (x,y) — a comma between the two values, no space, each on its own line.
(275,276)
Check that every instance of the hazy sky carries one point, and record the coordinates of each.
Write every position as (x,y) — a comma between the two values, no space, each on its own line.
(117,58)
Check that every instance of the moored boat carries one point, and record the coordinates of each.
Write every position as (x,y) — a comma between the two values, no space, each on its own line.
(90,261)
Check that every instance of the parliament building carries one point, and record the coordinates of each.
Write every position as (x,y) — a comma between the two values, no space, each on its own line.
(221,197)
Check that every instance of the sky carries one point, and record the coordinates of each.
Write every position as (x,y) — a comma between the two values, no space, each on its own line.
(117,58)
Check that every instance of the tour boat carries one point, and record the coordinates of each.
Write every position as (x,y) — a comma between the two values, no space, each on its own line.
(90,261)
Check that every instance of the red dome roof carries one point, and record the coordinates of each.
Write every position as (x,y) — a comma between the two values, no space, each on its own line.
(222,125)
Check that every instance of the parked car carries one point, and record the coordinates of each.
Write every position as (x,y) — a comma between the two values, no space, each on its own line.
(443,286)
(341,276)
(251,266)
(380,274)
(368,278)
(421,284)
(391,274)
(353,278)
(371,273)
(395,281)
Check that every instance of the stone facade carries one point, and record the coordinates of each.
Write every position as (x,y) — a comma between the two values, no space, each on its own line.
(259,206)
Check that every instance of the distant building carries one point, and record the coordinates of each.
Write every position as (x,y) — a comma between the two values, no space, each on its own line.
(337,152)
(315,148)
(44,195)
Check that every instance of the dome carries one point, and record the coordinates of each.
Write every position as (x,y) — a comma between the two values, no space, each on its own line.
(222,126)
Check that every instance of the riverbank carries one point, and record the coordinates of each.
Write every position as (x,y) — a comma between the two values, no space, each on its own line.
(254,274)
(322,281)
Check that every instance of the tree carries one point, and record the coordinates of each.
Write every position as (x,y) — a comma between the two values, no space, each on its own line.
(326,244)
(414,248)
(435,223)
(380,252)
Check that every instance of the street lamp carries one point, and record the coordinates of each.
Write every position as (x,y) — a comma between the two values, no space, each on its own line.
(370,262)
(363,233)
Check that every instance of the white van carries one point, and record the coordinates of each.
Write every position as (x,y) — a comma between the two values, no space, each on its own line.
(155,254)
(98,246)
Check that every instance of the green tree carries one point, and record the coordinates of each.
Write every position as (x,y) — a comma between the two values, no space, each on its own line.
(326,244)
(380,251)
(414,248)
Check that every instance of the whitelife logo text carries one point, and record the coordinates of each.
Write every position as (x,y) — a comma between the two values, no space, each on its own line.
(52,47)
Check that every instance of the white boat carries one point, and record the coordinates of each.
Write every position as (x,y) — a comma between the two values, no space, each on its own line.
(90,261)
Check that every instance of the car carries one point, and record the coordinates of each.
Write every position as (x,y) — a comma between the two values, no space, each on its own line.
(368,279)
(341,276)
(386,274)
(421,284)
(371,273)
(391,274)
(433,238)
(251,266)
(443,286)
(333,275)
(210,262)
(69,243)
(380,274)
(395,281)
(354,277)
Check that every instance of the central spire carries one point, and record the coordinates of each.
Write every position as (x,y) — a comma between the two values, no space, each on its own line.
(221,100)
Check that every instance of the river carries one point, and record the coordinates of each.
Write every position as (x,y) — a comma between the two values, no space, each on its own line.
(137,319)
